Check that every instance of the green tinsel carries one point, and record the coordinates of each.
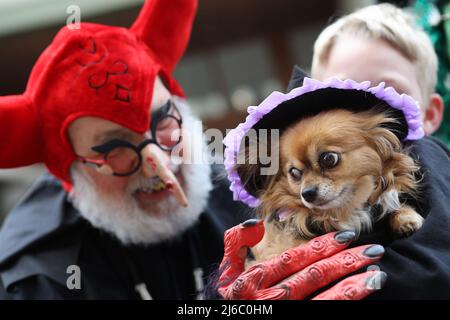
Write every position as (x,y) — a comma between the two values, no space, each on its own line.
(440,37)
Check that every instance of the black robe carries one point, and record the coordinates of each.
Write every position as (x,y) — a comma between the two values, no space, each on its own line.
(44,235)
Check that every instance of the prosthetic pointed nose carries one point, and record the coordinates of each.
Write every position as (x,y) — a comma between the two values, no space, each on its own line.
(153,158)
(21,141)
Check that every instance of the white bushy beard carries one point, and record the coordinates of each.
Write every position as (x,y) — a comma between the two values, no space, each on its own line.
(123,218)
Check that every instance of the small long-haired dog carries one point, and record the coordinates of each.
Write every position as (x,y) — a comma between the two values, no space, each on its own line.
(334,167)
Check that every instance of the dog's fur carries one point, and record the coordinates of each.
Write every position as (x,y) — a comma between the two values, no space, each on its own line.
(373,169)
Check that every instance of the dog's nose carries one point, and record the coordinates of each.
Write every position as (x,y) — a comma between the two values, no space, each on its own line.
(309,194)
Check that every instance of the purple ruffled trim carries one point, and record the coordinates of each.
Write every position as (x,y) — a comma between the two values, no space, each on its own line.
(232,141)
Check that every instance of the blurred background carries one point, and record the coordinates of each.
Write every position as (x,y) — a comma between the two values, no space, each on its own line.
(240,51)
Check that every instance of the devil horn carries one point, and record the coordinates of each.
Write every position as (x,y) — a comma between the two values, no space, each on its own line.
(20,135)
(165,26)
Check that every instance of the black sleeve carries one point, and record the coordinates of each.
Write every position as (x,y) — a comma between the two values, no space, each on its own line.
(416,270)
(36,288)
(418,267)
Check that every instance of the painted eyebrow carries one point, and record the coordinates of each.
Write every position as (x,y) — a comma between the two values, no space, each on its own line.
(161,108)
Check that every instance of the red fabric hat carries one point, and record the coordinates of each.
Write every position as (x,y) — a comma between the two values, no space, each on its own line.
(96,70)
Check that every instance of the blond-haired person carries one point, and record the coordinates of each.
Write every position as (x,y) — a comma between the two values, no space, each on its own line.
(382,43)
(379,44)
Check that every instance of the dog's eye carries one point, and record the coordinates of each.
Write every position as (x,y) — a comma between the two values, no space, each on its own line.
(328,160)
(295,173)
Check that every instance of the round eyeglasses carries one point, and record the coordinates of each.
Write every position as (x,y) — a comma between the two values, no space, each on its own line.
(122,158)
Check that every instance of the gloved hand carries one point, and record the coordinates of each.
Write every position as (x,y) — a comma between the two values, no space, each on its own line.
(300,271)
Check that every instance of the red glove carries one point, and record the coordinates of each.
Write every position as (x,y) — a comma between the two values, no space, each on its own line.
(298,272)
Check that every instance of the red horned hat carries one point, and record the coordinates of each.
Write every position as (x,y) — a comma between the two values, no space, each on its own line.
(96,70)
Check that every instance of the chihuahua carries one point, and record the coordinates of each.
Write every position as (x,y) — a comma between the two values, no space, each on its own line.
(334,168)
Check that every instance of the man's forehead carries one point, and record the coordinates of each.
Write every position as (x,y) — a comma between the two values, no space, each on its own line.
(100,130)
(120,131)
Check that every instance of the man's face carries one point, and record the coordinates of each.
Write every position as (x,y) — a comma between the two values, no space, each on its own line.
(138,208)
(376,61)
(87,132)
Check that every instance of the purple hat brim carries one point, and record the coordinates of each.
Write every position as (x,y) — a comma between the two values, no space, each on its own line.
(402,102)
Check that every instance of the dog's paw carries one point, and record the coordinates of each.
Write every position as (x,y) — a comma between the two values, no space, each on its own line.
(406,221)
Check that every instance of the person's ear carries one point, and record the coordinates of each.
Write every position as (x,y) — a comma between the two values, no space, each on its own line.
(433,114)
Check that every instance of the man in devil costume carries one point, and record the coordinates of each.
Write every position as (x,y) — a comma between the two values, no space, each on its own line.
(115,218)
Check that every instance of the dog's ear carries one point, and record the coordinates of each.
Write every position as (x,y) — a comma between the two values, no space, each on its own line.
(399,168)
(296,78)
(376,125)
(385,142)
(250,166)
